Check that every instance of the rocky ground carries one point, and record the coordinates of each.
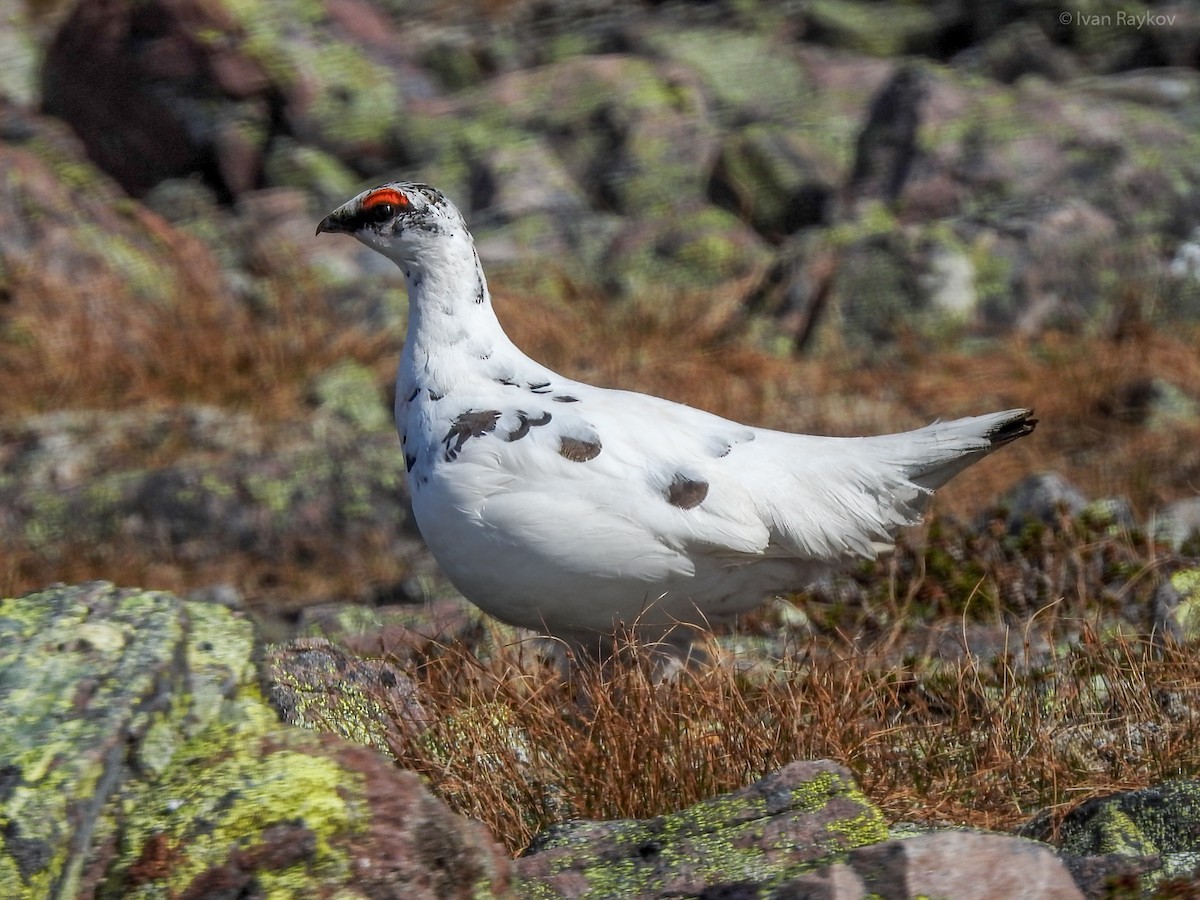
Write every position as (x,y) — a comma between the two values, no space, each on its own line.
(826,216)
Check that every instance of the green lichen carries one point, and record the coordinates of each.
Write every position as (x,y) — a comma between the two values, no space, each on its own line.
(55,658)
(855,25)
(350,392)
(228,785)
(721,840)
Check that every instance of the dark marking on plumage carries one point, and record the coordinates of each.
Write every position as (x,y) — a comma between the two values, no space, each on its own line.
(472,423)
(485,356)
(480,293)
(409,462)
(435,397)
(526,423)
(578,450)
(542,387)
(506,381)
(686,493)
(725,452)
(413,395)
(430,193)
(566,398)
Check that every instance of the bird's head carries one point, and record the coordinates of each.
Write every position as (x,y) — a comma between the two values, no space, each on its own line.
(402,220)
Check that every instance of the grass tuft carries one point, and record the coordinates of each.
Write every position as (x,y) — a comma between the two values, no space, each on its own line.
(976,742)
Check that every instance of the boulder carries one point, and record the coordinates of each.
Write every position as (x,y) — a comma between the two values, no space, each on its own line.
(141,760)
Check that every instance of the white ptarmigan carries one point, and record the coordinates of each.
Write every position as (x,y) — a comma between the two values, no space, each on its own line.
(575,510)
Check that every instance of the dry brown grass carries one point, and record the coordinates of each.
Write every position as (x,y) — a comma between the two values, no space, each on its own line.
(91,346)
(974,742)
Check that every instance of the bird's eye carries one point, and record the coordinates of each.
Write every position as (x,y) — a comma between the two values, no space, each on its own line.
(379,212)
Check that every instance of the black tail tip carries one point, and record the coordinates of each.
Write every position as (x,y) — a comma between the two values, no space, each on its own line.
(1020,424)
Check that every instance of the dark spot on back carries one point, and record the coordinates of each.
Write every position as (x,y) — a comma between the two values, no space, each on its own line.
(525,424)
(686,493)
(578,450)
(435,397)
(413,395)
(472,423)
(542,387)
(566,398)
(409,462)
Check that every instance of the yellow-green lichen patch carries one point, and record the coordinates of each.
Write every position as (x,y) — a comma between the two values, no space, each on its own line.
(82,668)
(1187,614)
(320,686)
(783,825)
(220,652)
(227,790)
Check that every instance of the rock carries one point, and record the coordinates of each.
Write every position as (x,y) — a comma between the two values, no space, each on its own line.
(142,761)
(137,84)
(854,25)
(318,685)
(1178,524)
(887,146)
(1177,605)
(203,485)
(749,77)
(772,178)
(57,237)
(1041,498)
(964,865)
(1154,828)
(706,250)
(1018,50)
(757,838)
(1152,403)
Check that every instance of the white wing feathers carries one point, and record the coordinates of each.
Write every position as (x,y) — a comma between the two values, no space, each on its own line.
(765,493)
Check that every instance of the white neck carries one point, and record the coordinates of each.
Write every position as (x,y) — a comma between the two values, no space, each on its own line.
(451,322)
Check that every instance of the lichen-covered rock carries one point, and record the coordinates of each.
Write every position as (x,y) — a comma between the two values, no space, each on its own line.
(200,483)
(139,759)
(758,837)
(1149,835)
(775,179)
(316,684)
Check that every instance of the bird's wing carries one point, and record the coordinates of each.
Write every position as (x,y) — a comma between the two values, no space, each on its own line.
(666,479)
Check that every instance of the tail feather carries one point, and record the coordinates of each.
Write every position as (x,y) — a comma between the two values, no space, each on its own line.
(955,445)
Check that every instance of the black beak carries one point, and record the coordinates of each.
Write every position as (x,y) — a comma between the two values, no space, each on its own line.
(333,224)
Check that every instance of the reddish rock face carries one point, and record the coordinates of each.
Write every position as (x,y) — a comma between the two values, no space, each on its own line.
(139,87)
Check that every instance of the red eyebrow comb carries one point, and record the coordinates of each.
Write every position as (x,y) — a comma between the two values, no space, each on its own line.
(384,195)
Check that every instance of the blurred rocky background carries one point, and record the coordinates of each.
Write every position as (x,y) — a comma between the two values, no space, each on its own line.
(826,216)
